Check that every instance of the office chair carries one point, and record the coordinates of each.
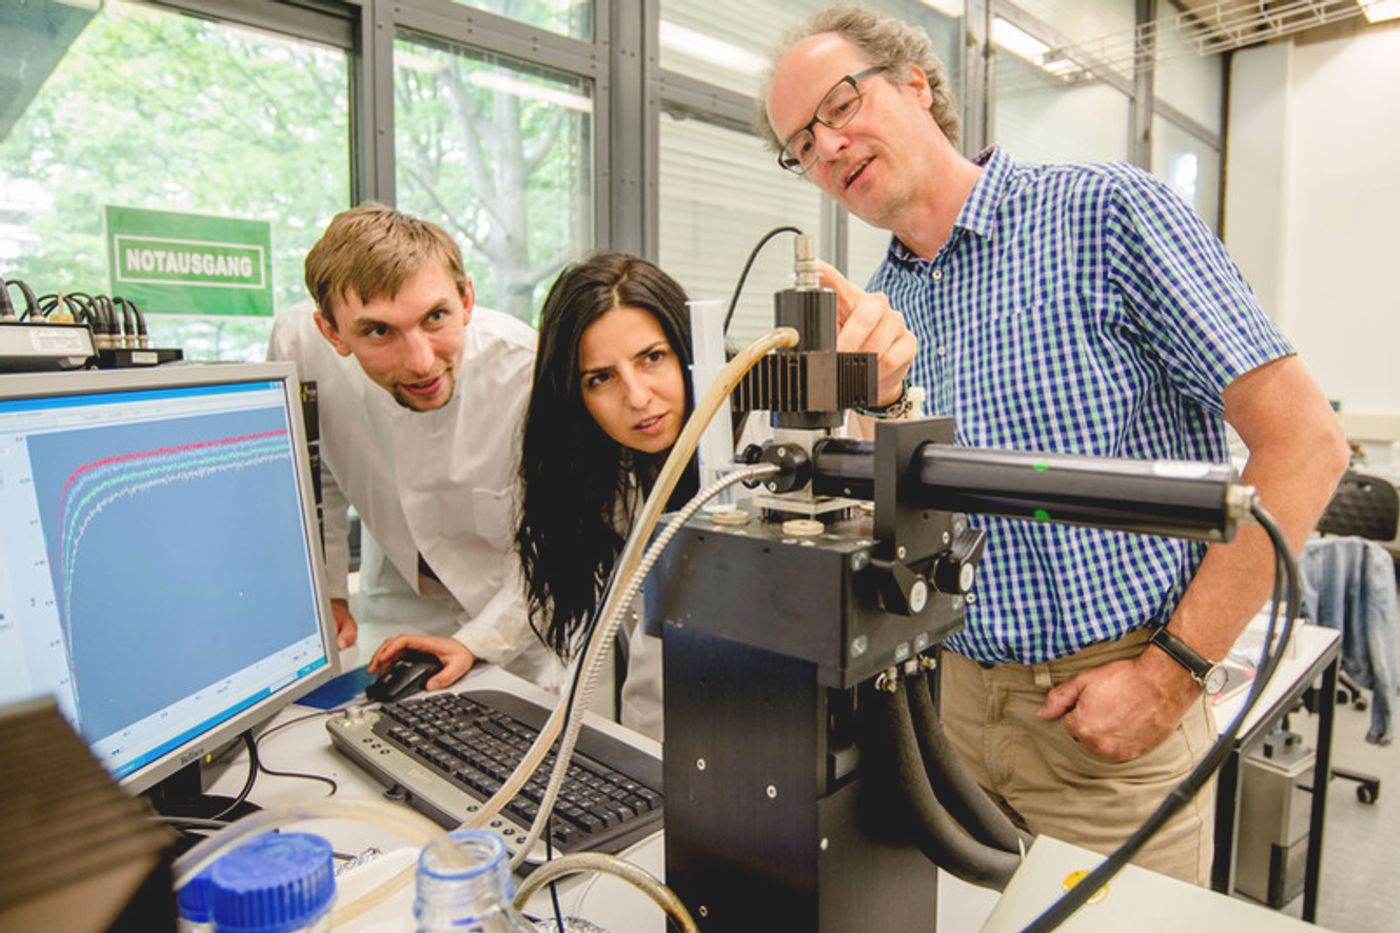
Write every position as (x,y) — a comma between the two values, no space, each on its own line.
(1367,507)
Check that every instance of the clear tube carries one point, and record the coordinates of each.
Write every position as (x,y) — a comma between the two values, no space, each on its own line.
(605,864)
(599,644)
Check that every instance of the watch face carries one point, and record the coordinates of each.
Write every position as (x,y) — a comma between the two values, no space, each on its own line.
(1215,679)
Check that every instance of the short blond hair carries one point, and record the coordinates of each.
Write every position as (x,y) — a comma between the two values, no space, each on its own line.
(887,42)
(372,250)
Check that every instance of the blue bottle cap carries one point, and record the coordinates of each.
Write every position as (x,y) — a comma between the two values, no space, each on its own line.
(276,883)
(193,899)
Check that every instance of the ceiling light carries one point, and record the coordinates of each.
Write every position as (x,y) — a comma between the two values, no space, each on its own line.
(1378,11)
(707,48)
(1024,45)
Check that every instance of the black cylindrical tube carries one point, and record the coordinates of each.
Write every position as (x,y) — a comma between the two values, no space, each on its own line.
(1166,497)
(959,793)
(812,312)
(936,834)
(843,467)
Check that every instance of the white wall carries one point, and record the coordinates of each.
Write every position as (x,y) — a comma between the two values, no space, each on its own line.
(1313,207)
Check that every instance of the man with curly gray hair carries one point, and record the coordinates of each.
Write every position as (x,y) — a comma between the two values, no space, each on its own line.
(1086,309)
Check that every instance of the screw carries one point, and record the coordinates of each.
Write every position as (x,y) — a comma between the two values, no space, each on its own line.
(782,451)
(772,792)
(699,764)
(859,644)
(772,487)
(901,552)
(703,911)
(918,596)
(946,537)
(824,844)
(860,560)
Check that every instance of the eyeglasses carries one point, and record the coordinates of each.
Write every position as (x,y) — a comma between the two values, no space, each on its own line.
(837,108)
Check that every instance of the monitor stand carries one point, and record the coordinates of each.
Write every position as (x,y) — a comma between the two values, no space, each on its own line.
(182,795)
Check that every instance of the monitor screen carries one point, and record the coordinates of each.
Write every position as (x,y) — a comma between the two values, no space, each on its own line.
(160,569)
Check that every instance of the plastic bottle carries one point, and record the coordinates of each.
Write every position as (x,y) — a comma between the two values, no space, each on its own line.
(193,902)
(472,899)
(275,883)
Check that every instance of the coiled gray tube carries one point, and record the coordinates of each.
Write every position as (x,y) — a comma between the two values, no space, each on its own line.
(956,790)
(936,834)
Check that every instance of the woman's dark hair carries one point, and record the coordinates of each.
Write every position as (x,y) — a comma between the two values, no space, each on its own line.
(575,477)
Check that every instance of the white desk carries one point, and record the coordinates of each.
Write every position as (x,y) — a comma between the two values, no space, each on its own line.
(306,747)
(615,906)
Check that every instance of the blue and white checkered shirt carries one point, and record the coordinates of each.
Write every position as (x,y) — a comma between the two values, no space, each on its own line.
(1077,308)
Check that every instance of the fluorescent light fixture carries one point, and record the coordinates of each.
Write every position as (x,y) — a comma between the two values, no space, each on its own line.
(953,8)
(1378,11)
(495,81)
(1024,45)
(709,49)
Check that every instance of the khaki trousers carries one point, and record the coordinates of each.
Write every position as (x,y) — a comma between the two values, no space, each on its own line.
(1048,784)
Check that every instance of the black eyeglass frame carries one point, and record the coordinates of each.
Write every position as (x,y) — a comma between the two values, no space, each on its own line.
(796,166)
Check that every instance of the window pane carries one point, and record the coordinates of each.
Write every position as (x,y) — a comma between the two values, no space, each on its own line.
(1041,118)
(501,156)
(566,17)
(727,42)
(1189,166)
(133,106)
(721,191)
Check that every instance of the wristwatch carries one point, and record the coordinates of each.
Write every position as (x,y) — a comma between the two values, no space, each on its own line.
(910,398)
(1207,673)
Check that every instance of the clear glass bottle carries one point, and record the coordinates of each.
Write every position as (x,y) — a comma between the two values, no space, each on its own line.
(472,898)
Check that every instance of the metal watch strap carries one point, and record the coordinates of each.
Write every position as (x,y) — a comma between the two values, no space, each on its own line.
(1197,666)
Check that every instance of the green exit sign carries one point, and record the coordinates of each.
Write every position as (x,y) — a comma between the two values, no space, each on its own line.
(176,263)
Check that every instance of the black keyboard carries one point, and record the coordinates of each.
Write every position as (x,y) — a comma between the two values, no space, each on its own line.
(445,754)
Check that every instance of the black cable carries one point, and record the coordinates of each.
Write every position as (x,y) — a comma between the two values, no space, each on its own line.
(893,743)
(248,784)
(1286,573)
(956,789)
(743,276)
(549,857)
(7,309)
(303,775)
(31,303)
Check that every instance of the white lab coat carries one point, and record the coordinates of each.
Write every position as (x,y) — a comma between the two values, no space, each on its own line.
(443,484)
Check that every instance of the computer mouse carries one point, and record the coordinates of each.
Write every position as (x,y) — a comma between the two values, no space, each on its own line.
(404,676)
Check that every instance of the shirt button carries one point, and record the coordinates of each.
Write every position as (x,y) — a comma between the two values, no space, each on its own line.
(937,275)
(942,351)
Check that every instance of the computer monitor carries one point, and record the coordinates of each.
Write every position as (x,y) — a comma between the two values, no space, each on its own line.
(160,563)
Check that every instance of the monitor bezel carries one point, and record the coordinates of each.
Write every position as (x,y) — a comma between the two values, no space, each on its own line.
(16,386)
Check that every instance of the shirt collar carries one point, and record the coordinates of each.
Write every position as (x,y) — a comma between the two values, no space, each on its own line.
(978,214)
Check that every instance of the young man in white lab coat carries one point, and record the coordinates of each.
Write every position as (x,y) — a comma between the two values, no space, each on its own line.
(420,397)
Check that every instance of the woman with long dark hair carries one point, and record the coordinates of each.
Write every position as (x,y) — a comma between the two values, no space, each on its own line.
(610,396)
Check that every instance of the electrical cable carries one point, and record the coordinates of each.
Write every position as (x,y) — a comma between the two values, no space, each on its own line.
(613,620)
(635,875)
(127,318)
(31,303)
(248,784)
(743,276)
(893,741)
(7,309)
(957,791)
(597,647)
(1285,581)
